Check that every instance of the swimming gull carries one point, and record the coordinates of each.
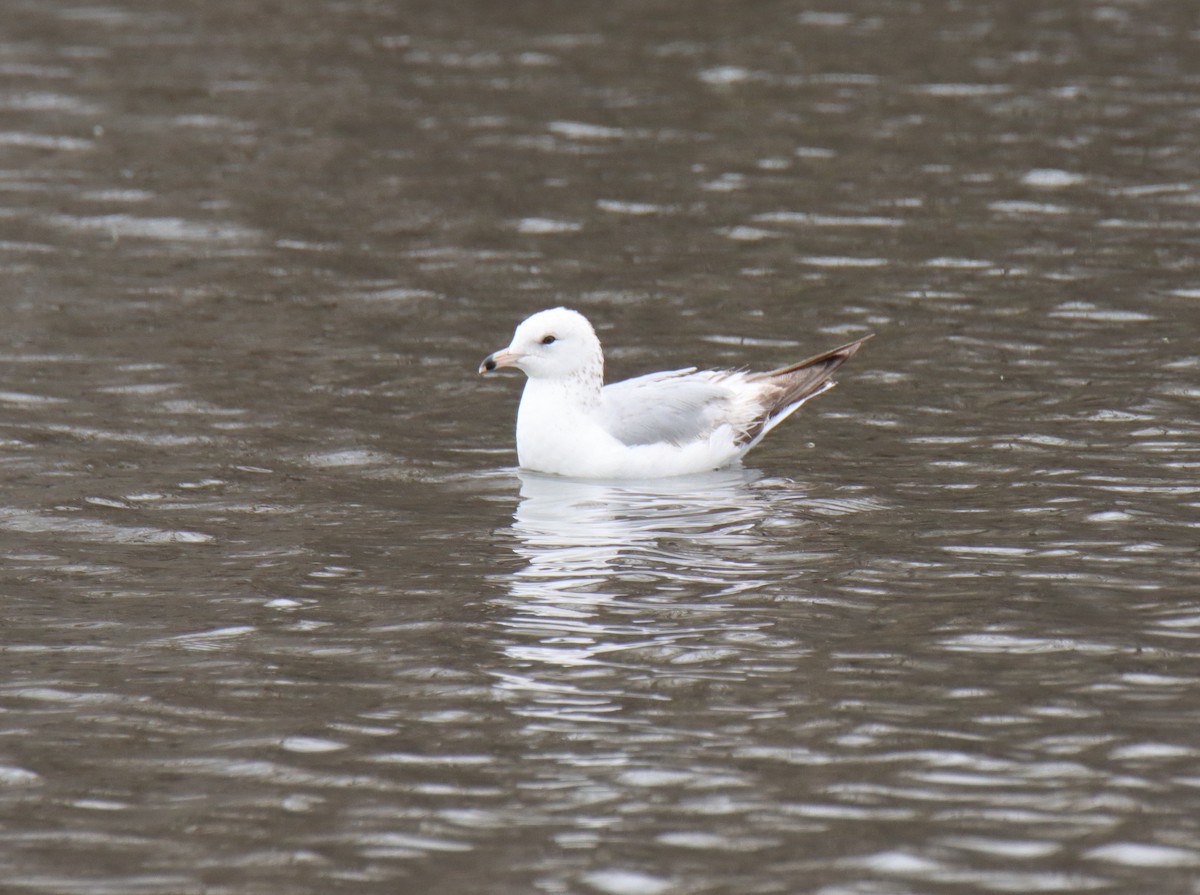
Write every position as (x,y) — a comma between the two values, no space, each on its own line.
(671,423)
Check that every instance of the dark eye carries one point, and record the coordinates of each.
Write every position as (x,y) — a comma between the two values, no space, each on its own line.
(549,340)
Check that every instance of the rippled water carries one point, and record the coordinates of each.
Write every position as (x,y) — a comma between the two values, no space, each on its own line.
(279,615)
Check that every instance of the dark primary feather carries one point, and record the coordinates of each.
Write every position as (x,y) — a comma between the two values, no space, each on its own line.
(797,383)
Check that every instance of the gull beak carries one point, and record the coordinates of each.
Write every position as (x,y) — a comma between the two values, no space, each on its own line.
(505,357)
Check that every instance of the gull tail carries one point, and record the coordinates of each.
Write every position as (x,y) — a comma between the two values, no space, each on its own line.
(789,388)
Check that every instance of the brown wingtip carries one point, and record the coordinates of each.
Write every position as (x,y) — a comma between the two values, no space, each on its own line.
(798,382)
(838,355)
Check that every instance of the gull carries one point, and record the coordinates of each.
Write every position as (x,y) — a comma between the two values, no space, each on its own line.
(676,422)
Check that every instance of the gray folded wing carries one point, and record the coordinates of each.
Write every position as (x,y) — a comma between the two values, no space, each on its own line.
(676,407)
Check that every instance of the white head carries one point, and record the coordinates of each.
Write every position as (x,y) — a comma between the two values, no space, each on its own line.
(554,344)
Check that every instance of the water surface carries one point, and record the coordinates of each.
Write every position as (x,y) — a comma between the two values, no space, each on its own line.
(280,615)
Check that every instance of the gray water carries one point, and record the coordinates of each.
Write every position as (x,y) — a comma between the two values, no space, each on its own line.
(279,613)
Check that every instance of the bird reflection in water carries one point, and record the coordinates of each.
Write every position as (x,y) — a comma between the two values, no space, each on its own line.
(637,572)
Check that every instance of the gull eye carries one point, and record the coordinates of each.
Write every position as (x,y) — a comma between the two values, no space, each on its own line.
(549,340)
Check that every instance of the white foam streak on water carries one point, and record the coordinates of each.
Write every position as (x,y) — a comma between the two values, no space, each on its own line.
(118,226)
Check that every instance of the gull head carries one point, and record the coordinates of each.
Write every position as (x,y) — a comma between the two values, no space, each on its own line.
(554,344)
